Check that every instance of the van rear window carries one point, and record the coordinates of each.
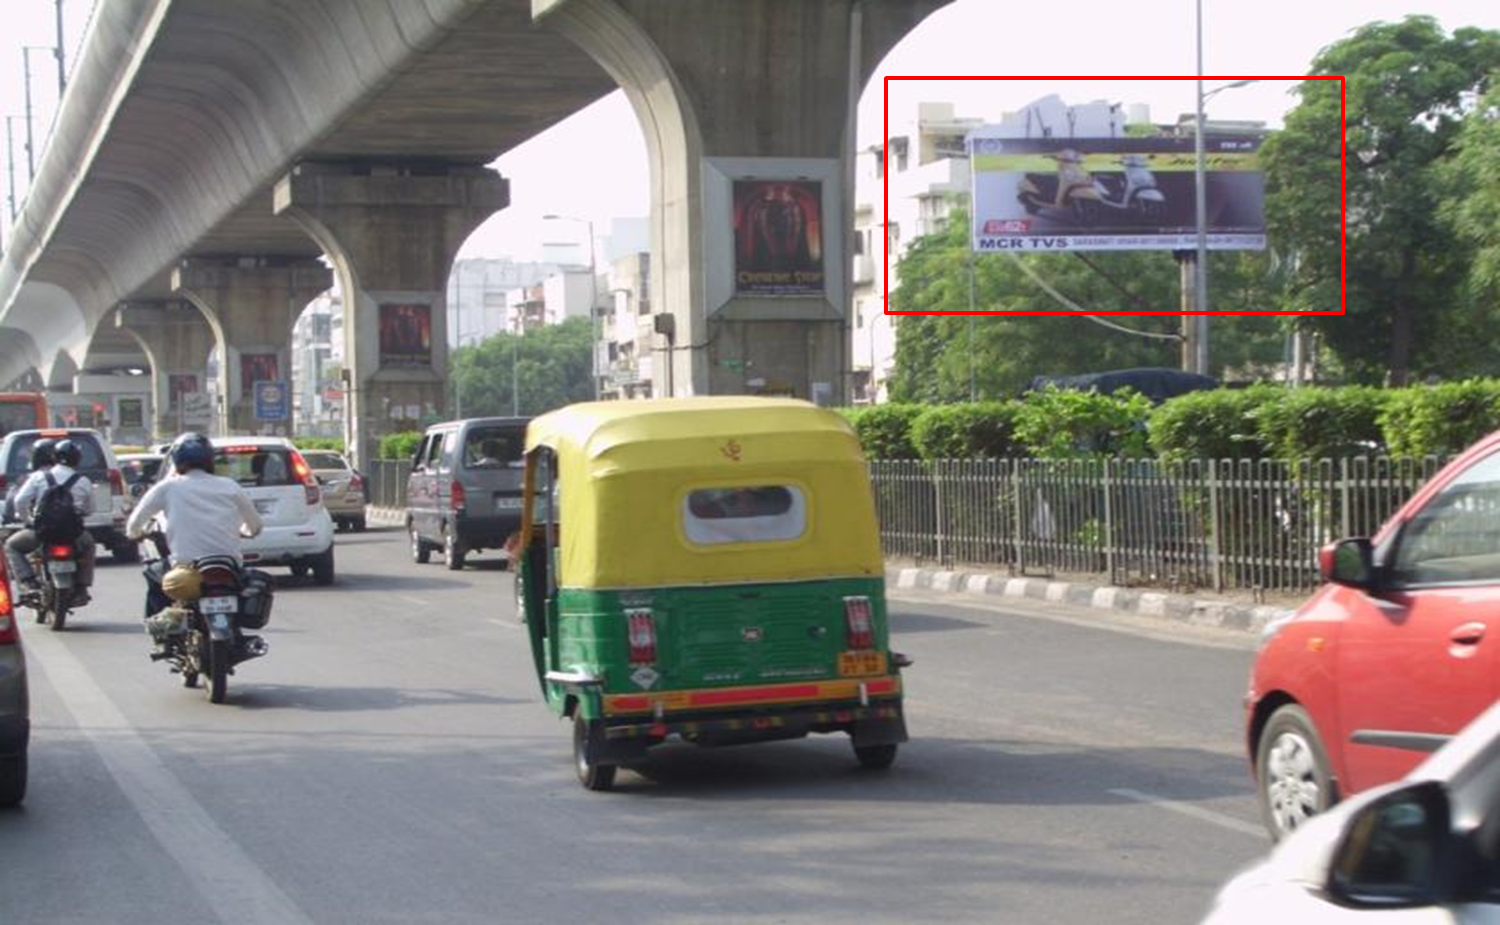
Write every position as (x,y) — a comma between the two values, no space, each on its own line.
(748,514)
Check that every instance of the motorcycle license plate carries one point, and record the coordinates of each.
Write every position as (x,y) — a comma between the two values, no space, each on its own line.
(62,567)
(213,605)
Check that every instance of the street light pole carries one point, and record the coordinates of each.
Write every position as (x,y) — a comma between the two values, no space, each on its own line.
(1200,262)
(62,69)
(10,159)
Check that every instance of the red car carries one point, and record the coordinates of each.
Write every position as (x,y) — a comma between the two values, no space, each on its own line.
(1388,660)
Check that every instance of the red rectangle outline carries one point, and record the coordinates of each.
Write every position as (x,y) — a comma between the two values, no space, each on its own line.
(886,184)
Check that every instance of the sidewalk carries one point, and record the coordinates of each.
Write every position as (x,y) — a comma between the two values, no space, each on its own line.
(1182,608)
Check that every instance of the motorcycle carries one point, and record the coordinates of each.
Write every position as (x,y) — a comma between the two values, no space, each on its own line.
(1136,192)
(56,567)
(1085,197)
(201,634)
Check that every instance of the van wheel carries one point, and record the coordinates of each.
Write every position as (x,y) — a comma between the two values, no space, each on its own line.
(322,568)
(597,777)
(453,549)
(1294,780)
(421,553)
(875,757)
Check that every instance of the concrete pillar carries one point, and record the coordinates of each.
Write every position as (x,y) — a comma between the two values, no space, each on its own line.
(748,108)
(252,304)
(392,233)
(177,340)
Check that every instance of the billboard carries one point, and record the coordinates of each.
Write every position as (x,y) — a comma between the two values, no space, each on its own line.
(405,335)
(778,238)
(1074,194)
(256,367)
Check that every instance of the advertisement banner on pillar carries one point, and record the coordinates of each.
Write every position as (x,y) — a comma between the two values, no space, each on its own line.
(196,408)
(405,334)
(778,238)
(257,367)
(130,413)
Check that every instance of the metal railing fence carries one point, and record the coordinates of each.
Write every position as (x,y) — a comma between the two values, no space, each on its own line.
(1221,524)
(388,482)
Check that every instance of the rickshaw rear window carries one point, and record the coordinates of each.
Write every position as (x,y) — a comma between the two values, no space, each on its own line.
(748,514)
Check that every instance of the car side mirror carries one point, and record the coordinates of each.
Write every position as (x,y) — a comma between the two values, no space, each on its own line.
(1348,562)
(1397,851)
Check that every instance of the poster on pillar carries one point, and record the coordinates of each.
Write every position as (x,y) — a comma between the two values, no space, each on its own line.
(405,334)
(178,385)
(778,238)
(257,367)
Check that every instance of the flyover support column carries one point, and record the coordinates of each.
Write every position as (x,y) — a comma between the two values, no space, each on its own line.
(252,303)
(748,108)
(392,233)
(178,340)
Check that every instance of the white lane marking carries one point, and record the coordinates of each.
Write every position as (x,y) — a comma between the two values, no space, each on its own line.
(420,602)
(1196,812)
(232,884)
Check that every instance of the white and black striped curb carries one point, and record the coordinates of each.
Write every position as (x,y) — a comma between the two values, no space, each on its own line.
(1179,607)
(387,516)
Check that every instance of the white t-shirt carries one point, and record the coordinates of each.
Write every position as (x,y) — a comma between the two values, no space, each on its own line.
(202,515)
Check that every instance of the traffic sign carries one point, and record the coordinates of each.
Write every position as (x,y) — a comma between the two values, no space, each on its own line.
(271,400)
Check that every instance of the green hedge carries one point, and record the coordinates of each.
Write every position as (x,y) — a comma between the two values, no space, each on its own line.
(1440,420)
(400,445)
(1261,422)
(980,430)
(1217,424)
(335,444)
(1318,423)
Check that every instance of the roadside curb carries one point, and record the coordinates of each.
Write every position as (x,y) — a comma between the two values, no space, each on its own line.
(1181,608)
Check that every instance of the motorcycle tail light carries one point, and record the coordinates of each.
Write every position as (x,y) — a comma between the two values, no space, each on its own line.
(857,619)
(456,497)
(642,629)
(60,552)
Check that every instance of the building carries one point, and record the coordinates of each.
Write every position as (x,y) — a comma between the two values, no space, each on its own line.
(627,334)
(478,296)
(317,356)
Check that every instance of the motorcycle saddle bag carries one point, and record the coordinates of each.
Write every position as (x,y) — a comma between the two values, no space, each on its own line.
(256,597)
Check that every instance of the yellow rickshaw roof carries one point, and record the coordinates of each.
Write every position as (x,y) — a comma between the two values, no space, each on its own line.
(590,428)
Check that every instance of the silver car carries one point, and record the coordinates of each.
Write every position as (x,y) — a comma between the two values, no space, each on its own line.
(15,702)
(343,488)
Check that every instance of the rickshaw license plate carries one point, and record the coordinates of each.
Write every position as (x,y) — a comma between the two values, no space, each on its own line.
(858,664)
(213,605)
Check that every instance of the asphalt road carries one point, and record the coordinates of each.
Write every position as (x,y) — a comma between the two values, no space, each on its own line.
(390,760)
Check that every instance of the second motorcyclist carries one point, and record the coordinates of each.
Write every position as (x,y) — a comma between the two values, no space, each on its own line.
(54,474)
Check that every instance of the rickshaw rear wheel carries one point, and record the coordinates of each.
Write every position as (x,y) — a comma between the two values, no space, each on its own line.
(875,757)
(597,777)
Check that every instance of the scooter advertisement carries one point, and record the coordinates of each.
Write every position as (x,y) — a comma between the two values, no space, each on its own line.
(1060,194)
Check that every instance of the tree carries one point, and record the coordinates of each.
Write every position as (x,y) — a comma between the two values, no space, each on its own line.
(1407,85)
(1472,209)
(933,356)
(553,368)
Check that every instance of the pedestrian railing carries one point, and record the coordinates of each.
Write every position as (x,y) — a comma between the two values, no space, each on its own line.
(388,482)
(1223,524)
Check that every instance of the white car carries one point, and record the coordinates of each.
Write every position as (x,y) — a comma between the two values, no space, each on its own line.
(1423,850)
(298,530)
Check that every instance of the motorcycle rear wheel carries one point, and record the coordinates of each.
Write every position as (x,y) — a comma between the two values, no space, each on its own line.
(60,601)
(218,670)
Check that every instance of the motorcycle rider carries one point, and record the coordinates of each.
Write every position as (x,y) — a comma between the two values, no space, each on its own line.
(43,455)
(52,464)
(203,514)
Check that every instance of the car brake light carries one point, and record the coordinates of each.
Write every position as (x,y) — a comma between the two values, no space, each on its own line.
(8,631)
(857,618)
(116,482)
(357,483)
(642,631)
(304,474)
(456,496)
(60,552)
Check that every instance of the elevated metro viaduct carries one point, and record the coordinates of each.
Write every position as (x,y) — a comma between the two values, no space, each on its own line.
(208,154)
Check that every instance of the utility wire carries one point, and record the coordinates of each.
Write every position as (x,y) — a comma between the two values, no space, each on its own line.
(1075,307)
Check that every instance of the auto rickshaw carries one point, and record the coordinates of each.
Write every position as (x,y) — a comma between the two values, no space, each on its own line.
(709,569)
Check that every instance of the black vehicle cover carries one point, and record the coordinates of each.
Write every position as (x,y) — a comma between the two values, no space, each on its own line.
(1157,384)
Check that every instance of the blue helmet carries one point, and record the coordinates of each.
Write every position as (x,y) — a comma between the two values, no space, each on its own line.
(192,451)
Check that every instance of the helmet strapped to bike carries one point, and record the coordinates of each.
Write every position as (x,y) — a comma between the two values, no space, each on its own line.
(184,583)
(192,451)
(69,454)
(43,454)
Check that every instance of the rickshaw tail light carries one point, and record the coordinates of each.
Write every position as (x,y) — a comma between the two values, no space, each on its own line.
(857,617)
(642,630)
(456,495)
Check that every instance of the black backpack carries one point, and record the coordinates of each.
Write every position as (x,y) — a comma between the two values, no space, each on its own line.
(56,519)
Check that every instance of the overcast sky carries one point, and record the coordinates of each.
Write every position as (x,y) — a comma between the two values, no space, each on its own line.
(561,172)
